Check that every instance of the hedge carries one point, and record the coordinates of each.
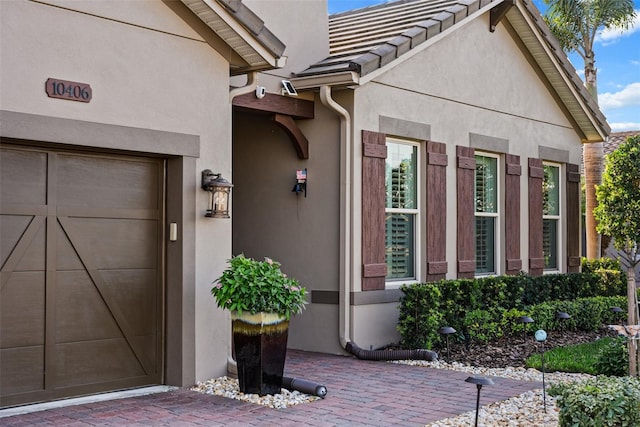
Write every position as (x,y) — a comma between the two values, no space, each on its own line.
(486,308)
(600,401)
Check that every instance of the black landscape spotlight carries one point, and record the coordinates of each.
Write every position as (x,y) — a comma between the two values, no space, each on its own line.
(541,337)
(616,312)
(446,331)
(524,320)
(562,317)
(479,382)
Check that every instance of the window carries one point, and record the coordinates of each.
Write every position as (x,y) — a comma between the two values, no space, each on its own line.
(401,210)
(551,216)
(486,213)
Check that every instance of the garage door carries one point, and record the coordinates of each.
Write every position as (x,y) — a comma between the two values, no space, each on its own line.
(80,252)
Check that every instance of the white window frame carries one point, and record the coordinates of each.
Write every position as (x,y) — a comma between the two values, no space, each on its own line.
(396,283)
(496,215)
(557,218)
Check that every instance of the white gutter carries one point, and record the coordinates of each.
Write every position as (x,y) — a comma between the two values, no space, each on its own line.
(252,82)
(345,213)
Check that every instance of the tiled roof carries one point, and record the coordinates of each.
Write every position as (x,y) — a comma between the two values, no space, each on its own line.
(617,138)
(364,40)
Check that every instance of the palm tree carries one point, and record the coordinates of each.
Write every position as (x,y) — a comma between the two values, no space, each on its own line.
(575,24)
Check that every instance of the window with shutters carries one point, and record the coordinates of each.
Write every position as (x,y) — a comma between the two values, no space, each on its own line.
(401,209)
(487,213)
(551,216)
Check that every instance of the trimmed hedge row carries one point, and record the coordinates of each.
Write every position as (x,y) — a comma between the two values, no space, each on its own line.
(486,308)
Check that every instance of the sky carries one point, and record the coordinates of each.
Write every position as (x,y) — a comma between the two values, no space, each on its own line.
(617,60)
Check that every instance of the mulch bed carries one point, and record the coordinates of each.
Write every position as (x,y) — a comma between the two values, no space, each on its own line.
(514,351)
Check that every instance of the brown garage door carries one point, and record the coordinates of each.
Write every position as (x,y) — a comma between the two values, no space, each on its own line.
(80,296)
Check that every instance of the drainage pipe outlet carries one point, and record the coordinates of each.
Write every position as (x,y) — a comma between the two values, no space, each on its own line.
(304,386)
(418,354)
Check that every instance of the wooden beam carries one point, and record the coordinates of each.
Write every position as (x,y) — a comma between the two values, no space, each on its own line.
(298,139)
(271,103)
(499,12)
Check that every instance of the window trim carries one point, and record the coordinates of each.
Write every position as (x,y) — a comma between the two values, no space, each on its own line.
(417,212)
(498,216)
(558,218)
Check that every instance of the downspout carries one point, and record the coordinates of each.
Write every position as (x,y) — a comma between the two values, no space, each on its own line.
(252,82)
(345,213)
(346,248)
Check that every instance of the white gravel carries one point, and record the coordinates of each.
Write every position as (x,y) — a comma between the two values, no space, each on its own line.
(228,387)
(525,410)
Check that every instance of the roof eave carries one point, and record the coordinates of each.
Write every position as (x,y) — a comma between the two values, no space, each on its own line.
(243,31)
(547,53)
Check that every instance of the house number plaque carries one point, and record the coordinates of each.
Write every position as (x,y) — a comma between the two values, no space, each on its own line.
(72,91)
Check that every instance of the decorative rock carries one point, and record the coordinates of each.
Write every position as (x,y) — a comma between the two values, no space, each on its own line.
(526,409)
(228,387)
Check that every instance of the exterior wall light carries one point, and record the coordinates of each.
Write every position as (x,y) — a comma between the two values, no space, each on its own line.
(301,182)
(219,189)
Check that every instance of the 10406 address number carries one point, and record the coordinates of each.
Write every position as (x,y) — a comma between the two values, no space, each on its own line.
(64,89)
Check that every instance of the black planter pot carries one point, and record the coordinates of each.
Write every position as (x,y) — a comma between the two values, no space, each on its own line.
(260,342)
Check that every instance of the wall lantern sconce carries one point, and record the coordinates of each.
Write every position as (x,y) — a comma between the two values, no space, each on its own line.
(301,182)
(219,189)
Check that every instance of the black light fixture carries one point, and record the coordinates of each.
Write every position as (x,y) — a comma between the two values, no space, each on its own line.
(446,331)
(616,314)
(541,337)
(479,382)
(524,320)
(218,189)
(301,182)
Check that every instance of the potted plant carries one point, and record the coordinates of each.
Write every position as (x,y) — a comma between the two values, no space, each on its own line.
(261,299)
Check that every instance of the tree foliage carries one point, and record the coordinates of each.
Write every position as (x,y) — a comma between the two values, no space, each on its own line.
(576,22)
(618,210)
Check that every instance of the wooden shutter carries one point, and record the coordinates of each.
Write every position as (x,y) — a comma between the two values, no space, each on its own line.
(536,176)
(374,153)
(436,221)
(573,218)
(465,176)
(513,171)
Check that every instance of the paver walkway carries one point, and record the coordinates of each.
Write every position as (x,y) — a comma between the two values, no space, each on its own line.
(360,393)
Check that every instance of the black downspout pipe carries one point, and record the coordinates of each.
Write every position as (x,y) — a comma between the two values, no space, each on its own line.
(418,354)
(304,386)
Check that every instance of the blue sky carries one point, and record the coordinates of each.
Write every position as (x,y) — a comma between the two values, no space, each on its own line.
(617,60)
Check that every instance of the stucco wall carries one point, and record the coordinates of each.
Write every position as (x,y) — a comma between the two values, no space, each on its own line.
(303,28)
(147,70)
(302,233)
(469,82)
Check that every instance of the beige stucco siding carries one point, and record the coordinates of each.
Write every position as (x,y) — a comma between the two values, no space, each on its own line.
(272,221)
(147,70)
(471,81)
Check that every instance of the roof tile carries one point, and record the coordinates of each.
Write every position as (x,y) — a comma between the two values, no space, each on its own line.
(417,35)
(402,44)
(432,26)
(446,20)
(387,53)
